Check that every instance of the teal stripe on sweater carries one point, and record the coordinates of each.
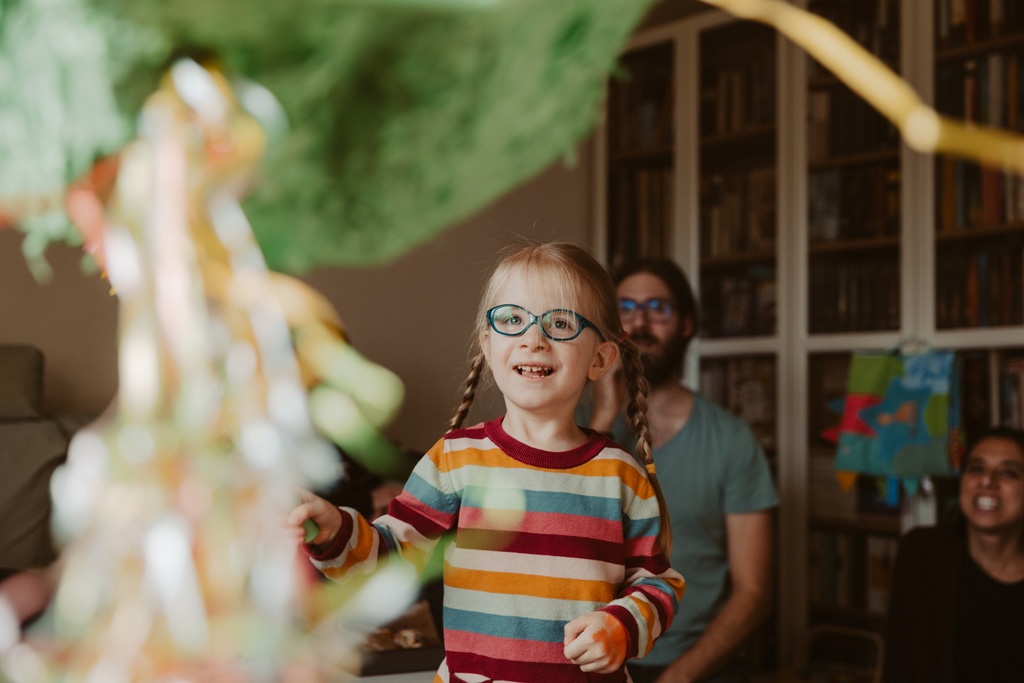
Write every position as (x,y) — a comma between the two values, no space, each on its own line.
(431,496)
(519,628)
(548,501)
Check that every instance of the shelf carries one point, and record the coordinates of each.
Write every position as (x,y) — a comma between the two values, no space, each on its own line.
(754,147)
(887,155)
(848,246)
(658,156)
(981,233)
(981,47)
(726,261)
(765,133)
(828,80)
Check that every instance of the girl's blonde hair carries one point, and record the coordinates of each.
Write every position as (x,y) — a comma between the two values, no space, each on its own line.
(585,280)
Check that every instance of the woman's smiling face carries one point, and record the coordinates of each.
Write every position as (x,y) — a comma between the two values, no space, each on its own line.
(992,486)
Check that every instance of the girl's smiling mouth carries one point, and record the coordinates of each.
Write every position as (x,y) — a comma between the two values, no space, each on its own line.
(533,370)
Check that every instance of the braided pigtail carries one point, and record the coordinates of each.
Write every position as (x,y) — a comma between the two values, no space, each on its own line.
(475,370)
(636,413)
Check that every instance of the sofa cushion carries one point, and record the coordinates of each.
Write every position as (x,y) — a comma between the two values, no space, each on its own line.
(29,453)
(21,381)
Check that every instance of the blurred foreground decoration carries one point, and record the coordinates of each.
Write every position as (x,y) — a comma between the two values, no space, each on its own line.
(405,115)
(177,567)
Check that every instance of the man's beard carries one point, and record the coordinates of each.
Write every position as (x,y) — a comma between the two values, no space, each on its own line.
(666,364)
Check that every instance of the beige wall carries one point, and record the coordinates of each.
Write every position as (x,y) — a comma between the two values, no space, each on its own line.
(72,318)
(413,315)
(416,315)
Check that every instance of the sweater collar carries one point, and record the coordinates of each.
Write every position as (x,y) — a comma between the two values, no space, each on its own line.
(554,460)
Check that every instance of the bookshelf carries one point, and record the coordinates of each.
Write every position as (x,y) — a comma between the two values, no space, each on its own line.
(737,215)
(745,386)
(640,169)
(871,245)
(979,227)
(853,185)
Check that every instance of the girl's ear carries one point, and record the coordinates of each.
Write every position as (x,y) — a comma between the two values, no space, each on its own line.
(605,356)
(484,348)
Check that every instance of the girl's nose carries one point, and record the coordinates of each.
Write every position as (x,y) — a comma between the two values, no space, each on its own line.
(534,337)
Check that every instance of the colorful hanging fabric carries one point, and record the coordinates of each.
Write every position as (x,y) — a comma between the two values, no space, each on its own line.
(901,416)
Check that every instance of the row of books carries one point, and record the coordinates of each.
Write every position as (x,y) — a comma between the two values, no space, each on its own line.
(853,203)
(848,571)
(972,196)
(739,98)
(739,305)
(745,386)
(875,24)
(737,212)
(976,376)
(962,22)
(854,297)
(841,124)
(1011,390)
(641,211)
(979,287)
(984,90)
(640,103)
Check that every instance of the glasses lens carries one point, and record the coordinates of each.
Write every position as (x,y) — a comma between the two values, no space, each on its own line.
(659,308)
(509,319)
(561,324)
(627,308)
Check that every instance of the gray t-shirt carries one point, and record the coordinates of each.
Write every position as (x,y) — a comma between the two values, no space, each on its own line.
(713,467)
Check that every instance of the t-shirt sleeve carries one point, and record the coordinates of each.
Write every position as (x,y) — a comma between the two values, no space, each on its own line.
(748,479)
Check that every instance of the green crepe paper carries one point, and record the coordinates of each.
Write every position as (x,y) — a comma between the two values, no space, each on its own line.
(58,109)
(405,116)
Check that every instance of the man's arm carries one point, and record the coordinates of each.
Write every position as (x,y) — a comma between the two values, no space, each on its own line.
(750,568)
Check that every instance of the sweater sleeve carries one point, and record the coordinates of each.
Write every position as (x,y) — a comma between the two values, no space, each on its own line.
(651,590)
(416,521)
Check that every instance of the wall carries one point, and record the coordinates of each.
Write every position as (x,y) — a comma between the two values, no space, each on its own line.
(72,318)
(413,315)
(416,315)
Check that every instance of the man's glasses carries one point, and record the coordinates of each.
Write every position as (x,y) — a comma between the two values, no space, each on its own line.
(559,324)
(657,309)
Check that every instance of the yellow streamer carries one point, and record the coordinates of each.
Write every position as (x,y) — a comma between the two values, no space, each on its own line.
(923,129)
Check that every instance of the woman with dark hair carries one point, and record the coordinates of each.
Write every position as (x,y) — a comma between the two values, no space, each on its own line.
(957,610)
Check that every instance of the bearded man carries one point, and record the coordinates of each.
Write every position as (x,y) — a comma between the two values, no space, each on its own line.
(716,481)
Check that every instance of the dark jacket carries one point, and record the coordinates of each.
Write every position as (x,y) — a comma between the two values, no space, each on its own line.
(919,635)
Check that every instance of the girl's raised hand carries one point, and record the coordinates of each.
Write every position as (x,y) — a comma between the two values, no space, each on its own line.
(596,642)
(321,512)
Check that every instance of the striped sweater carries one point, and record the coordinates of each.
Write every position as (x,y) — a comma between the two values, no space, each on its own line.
(539,538)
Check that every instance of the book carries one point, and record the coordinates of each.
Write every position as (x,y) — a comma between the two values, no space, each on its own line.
(880,558)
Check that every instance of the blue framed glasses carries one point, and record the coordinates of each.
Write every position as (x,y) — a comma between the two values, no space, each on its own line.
(657,309)
(558,324)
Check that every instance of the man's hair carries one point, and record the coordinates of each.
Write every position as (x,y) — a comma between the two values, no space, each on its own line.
(673,277)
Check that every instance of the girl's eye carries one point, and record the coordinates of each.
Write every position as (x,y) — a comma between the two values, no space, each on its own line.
(513,320)
(563,322)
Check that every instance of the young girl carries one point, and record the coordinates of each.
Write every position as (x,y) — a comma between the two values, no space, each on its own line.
(556,570)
